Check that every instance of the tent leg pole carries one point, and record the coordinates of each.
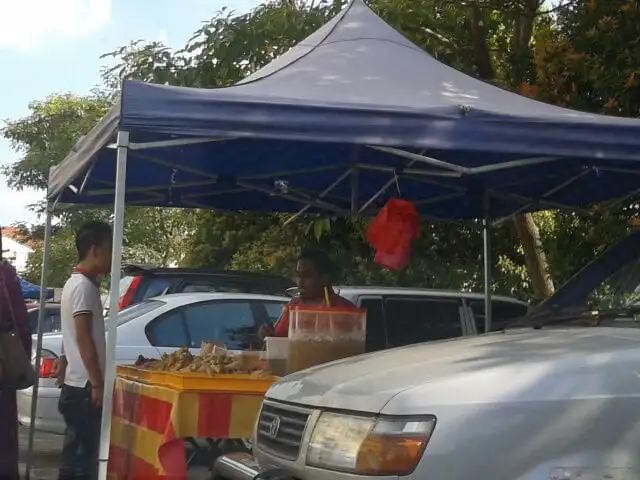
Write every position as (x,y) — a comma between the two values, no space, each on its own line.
(43,302)
(116,265)
(486,233)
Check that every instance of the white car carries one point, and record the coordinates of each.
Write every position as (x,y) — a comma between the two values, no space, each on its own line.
(158,325)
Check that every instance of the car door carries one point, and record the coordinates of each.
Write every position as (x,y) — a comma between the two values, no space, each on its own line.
(416,319)
(232,322)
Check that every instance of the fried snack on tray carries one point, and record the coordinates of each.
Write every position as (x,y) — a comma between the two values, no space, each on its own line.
(214,358)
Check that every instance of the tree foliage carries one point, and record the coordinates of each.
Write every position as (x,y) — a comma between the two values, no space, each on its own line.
(43,138)
(48,134)
(590,60)
(579,54)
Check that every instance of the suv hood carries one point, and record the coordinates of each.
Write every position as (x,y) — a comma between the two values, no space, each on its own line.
(459,371)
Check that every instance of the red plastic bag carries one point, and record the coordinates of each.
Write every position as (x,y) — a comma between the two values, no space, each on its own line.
(392,231)
(393,260)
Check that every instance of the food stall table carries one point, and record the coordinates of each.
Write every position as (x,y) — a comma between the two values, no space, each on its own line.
(150,422)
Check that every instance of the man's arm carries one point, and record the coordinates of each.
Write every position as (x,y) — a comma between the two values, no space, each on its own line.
(87,348)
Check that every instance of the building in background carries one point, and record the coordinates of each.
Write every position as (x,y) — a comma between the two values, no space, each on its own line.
(14,249)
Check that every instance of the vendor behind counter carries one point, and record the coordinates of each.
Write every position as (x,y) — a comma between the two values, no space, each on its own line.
(313,277)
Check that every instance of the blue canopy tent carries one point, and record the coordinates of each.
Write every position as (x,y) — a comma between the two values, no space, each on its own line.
(356,100)
(351,115)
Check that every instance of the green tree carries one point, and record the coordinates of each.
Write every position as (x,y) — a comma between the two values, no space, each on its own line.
(491,40)
(42,139)
(151,235)
(48,134)
(478,38)
(588,60)
(63,258)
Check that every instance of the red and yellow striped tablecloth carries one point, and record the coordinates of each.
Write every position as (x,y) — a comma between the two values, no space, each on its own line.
(149,423)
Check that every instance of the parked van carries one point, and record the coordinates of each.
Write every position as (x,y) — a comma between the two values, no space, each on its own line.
(555,398)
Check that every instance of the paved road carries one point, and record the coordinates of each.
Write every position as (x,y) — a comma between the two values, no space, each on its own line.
(46,448)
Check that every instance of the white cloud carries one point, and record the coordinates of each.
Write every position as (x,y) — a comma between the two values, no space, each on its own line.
(27,24)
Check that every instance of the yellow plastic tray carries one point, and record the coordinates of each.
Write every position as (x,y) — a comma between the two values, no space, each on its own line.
(131,372)
(199,381)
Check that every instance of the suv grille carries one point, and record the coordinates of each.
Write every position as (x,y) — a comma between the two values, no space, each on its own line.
(280,430)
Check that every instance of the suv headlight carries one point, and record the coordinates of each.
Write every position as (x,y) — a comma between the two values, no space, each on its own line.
(369,445)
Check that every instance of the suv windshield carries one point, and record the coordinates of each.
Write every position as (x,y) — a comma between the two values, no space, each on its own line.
(621,291)
(606,292)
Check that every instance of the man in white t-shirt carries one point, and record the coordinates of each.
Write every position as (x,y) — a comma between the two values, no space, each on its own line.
(83,339)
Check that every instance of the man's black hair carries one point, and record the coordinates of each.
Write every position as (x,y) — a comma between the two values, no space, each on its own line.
(319,258)
(92,234)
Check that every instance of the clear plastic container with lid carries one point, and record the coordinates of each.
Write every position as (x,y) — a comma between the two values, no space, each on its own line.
(319,334)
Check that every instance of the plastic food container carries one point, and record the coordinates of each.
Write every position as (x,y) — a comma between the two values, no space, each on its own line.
(319,334)
(277,355)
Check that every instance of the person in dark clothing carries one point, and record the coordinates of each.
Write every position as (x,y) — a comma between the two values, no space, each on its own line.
(313,276)
(12,311)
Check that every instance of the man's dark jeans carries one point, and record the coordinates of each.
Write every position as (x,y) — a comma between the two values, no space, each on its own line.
(82,434)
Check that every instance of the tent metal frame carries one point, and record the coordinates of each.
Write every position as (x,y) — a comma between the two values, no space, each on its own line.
(323,200)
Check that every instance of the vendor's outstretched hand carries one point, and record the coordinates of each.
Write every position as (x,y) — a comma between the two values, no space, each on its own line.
(266,330)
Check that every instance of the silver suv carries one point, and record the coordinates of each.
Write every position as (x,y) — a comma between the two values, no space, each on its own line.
(396,317)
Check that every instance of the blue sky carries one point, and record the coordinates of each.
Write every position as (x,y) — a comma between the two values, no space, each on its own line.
(51,46)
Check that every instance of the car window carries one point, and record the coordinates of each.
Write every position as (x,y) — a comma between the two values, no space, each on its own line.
(122,288)
(274,310)
(168,331)
(376,325)
(414,320)
(621,290)
(134,311)
(502,313)
(231,323)
(154,287)
(202,286)
(53,320)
